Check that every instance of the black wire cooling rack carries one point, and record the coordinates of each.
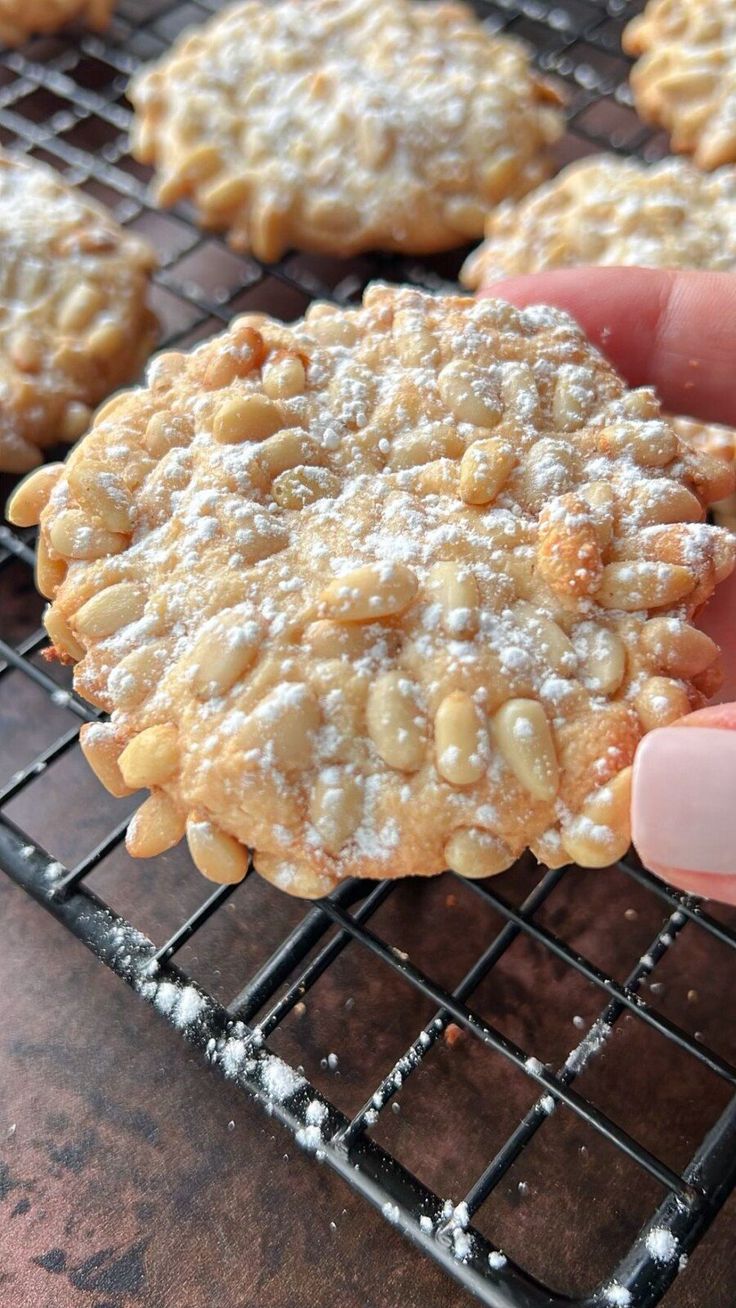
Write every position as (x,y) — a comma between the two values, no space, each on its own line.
(62,100)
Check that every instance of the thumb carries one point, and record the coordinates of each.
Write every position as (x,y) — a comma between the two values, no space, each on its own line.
(683,806)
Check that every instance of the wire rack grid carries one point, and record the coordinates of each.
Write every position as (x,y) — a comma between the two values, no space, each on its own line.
(62,100)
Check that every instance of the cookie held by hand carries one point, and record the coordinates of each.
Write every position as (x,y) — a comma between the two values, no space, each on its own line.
(382,591)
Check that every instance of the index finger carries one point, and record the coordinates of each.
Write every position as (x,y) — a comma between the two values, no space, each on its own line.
(674,330)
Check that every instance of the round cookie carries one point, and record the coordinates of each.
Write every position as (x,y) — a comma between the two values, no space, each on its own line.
(609,210)
(344,125)
(385,590)
(75,325)
(20,19)
(685,77)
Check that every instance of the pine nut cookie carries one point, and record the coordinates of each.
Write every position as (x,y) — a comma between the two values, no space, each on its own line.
(685,77)
(609,210)
(344,125)
(20,19)
(75,325)
(385,590)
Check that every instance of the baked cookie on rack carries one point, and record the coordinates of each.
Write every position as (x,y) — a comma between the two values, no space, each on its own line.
(608,210)
(685,77)
(20,19)
(383,591)
(344,125)
(75,324)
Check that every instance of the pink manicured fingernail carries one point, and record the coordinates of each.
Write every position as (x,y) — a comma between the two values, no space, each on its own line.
(684,800)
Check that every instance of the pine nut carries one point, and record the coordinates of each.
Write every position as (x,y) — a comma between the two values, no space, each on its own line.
(30,497)
(568,553)
(288,448)
(62,637)
(724,553)
(573,397)
(520,391)
(662,501)
(74,536)
(660,702)
(476,854)
(416,345)
(49,572)
(677,648)
(336,807)
(334,640)
(106,341)
(167,431)
(246,418)
(75,420)
(455,589)
(712,477)
(651,444)
(396,722)
(155,827)
(296,488)
(484,470)
(223,656)
(643,585)
(460,740)
(284,377)
(600,497)
(547,635)
(435,441)
(469,394)
(601,834)
(602,658)
(102,750)
(79,308)
(260,536)
(367,594)
(239,355)
(26,350)
(136,675)
(110,609)
(523,735)
(551,468)
(103,495)
(151,757)
(282,729)
(216,855)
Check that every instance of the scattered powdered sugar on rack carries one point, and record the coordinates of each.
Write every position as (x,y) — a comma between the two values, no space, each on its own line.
(617,1296)
(662,1245)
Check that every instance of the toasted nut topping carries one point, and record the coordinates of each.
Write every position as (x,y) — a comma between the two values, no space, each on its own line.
(396,722)
(110,610)
(602,658)
(460,740)
(30,498)
(336,807)
(524,737)
(103,495)
(568,552)
(76,536)
(469,394)
(660,702)
(677,648)
(102,749)
(601,833)
(155,827)
(643,585)
(476,854)
(246,418)
(151,757)
(455,589)
(62,637)
(216,855)
(223,656)
(371,592)
(484,469)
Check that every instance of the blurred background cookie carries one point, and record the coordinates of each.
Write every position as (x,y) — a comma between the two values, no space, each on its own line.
(20,19)
(344,125)
(384,591)
(609,210)
(75,324)
(685,77)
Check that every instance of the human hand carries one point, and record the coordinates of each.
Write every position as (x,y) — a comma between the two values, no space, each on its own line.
(675,331)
